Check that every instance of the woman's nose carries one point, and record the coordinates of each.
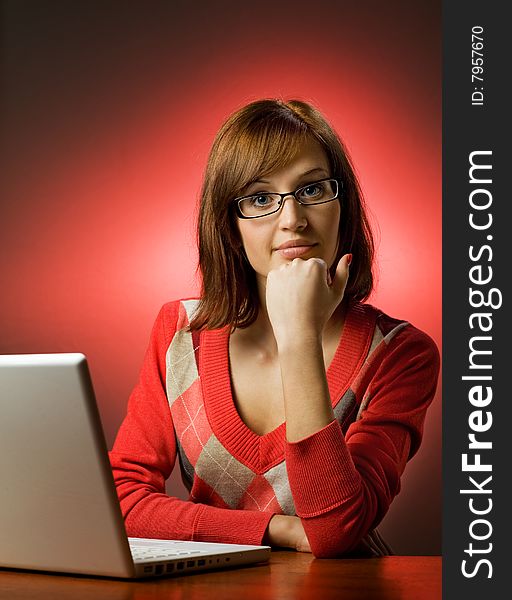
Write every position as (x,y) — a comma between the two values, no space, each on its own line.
(291,215)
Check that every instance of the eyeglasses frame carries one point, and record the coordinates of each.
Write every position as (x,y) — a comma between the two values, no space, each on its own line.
(339,186)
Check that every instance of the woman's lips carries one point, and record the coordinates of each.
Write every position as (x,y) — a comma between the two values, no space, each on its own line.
(295,251)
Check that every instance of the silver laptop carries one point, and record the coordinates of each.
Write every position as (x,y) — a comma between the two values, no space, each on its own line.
(59,509)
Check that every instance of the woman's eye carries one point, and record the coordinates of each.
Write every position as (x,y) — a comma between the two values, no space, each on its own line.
(261,200)
(311,191)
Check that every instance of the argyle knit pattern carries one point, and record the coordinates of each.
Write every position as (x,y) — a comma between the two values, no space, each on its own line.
(340,481)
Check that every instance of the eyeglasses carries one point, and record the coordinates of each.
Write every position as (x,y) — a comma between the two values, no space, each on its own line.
(261,205)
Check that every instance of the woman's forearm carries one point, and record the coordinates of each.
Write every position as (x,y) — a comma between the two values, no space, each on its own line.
(307,401)
(300,302)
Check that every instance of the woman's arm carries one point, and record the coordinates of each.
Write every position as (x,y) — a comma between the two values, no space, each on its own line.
(343,485)
(300,302)
(143,457)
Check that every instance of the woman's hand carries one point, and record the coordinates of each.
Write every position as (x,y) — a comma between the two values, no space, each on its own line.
(301,298)
(287,532)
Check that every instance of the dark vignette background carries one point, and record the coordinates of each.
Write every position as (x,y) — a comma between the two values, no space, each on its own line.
(108,111)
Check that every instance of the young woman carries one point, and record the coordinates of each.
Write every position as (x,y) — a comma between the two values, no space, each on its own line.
(293,406)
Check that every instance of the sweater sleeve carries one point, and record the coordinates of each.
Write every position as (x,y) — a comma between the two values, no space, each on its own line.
(343,485)
(144,455)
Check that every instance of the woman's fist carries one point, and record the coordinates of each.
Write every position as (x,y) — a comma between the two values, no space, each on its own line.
(301,297)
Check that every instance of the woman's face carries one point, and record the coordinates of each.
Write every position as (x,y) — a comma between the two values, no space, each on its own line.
(314,228)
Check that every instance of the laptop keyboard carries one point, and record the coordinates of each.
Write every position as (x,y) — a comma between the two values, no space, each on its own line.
(146,552)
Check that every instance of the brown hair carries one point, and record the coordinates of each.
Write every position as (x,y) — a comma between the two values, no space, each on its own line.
(255,141)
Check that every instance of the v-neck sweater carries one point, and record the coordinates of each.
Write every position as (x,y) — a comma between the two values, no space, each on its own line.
(340,481)
(263,452)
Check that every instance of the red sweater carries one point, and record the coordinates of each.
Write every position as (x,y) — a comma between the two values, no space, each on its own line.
(340,481)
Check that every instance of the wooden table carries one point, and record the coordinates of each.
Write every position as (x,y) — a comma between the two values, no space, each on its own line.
(288,575)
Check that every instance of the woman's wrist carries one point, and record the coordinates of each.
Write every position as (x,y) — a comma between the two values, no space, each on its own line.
(299,342)
(285,531)
(280,531)
(276,532)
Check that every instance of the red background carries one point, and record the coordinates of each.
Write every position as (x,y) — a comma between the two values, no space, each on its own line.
(108,113)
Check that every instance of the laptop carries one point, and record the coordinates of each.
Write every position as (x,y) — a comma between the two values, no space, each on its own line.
(59,509)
